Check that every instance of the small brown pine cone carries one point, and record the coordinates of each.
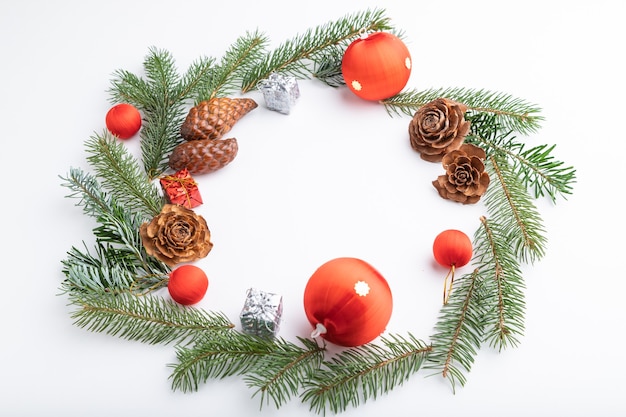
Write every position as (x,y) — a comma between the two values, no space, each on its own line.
(211,119)
(466,179)
(204,155)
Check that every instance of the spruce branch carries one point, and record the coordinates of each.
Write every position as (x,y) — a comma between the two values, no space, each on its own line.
(458,331)
(536,167)
(327,66)
(122,175)
(279,375)
(147,319)
(503,295)
(162,97)
(358,374)
(119,261)
(85,271)
(224,354)
(509,204)
(511,113)
(240,58)
(294,55)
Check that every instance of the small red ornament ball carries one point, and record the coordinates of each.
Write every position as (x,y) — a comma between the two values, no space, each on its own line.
(452,248)
(376,66)
(188,284)
(349,300)
(123,120)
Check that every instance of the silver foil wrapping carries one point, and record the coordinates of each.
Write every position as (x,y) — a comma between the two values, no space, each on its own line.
(280,92)
(261,313)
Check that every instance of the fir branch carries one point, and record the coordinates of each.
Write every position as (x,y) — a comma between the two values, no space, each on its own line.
(238,60)
(112,268)
(536,167)
(86,188)
(458,331)
(511,113)
(94,272)
(542,173)
(122,175)
(146,319)
(365,372)
(504,285)
(280,373)
(123,259)
(509,204)
(115,224)
(327,67)
(292,55)
(218,356)
(162,98)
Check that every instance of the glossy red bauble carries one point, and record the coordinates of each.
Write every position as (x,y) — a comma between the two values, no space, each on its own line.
(348,302)
(187,284)
(123,120)
(376,66)
(452,248)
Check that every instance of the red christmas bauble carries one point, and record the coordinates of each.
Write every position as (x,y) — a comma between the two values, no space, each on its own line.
(376,66)
(123,120)
(349,300)
(452,248)
(187,284)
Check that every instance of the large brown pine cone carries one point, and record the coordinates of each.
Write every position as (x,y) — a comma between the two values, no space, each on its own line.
(176,235)
(438,127)
(204,155)
(211,119)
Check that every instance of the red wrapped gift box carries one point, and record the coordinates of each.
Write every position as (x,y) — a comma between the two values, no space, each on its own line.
(182,189)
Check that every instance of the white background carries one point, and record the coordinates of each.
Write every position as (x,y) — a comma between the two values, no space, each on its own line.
(334,178)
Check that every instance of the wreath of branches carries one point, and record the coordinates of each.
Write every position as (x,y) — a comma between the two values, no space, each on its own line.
(110,285)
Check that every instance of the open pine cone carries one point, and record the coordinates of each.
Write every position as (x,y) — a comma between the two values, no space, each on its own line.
(465,180)
(211,119)
(438,127)
(176,235)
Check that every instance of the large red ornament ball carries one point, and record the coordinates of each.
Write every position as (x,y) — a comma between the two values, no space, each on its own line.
(452,248)
(350,299)
(123,120)
(376,66)
(187,284)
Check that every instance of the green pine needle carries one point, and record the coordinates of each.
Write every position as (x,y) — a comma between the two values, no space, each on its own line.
(109,269)
(278,376)
(122,175)
(238,60)
(509,204)
(511,113)
(362,373)
(458,331)
(503,290)
(219,355)
(536,167)
(119,260)
(162,96)
(294,55)
(147,319)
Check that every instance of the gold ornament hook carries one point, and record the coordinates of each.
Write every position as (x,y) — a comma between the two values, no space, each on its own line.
(447,288)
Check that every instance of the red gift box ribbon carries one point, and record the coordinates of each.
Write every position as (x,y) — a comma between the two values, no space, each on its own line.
(182,186)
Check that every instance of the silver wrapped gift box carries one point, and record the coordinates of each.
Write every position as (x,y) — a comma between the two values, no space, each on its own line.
(280,92)
(261,313)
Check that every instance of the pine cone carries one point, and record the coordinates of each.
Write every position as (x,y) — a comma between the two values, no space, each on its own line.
(438,127)
(465,180)
(204,155)
(211,119)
